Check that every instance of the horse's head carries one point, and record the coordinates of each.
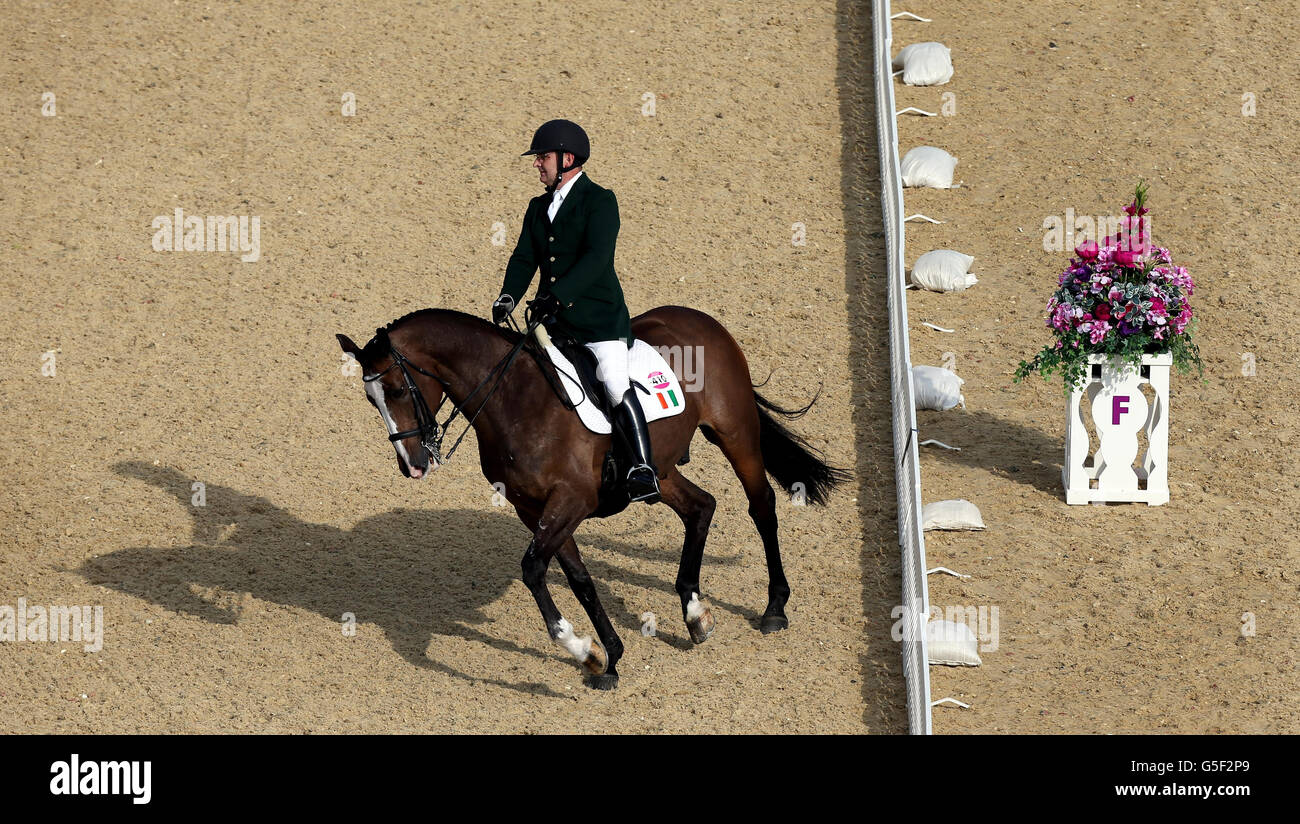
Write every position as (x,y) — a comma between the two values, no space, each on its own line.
(407,398)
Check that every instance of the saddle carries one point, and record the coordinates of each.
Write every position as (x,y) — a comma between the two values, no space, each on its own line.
(585,363)
(613,497)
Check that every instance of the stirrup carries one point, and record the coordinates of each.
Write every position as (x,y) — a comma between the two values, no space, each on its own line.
(642,489)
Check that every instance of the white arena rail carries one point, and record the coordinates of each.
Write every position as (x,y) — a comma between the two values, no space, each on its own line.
(916,595)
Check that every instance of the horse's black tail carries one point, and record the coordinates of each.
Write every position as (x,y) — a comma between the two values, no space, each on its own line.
(790,459)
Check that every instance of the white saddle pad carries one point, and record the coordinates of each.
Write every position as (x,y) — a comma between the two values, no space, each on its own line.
(645,366)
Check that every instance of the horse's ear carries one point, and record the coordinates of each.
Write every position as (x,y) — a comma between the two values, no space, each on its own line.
(349,347)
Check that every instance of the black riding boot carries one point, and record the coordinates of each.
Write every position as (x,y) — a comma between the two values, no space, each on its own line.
(642,479)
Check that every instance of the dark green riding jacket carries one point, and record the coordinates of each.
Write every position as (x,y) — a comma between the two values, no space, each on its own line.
(576,257)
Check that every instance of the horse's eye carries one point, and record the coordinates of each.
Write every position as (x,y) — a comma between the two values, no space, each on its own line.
(397,393)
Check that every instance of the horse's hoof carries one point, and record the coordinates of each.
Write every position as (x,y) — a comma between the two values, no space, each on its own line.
(597,661)
(701,628)
(773,623)
(605,681)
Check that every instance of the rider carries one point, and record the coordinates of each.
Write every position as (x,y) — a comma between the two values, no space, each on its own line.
(570,232)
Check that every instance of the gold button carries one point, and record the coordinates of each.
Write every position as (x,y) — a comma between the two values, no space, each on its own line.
(551,239)
(552,259)
(552,280)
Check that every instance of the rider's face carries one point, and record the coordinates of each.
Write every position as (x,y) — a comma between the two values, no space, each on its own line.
(545,164)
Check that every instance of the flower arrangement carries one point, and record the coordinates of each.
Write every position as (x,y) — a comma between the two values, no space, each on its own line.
(1122,297)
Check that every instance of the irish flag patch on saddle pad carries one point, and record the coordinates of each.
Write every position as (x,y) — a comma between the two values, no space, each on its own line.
(662,387)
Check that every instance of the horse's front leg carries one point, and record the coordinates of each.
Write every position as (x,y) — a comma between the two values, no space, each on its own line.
(585,589)
(550,533)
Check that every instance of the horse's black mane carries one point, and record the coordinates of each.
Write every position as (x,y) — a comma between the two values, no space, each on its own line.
(379,343)
(419,313)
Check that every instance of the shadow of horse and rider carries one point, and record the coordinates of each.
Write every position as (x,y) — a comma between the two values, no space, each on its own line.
(414,573)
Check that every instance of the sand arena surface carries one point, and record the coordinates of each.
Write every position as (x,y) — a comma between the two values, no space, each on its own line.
(177,368)
(1123,618)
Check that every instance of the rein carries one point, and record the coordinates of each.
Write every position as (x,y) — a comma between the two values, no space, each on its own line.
(542,360)
(426,422)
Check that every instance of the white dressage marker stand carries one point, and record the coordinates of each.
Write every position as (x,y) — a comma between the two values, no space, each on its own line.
(1119,412)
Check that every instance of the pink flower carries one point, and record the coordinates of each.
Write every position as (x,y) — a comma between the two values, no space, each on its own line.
(1135,234)
(1102,311)
(1061,317)
(1087,251)
(1128,258)
(1132,209)
(1098,331)
(1141,244)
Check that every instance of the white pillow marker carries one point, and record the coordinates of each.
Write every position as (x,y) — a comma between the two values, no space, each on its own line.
(943,270)
(925,64)
(928,166)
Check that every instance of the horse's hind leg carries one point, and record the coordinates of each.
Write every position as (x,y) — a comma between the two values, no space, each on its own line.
(743,451)
(603,674)
(695,507)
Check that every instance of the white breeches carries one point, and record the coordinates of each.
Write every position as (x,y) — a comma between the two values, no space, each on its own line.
(611,368)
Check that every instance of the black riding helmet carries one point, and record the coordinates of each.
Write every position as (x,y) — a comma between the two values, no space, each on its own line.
(561,136)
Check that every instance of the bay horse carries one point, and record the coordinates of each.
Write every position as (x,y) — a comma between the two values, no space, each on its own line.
(534,445)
